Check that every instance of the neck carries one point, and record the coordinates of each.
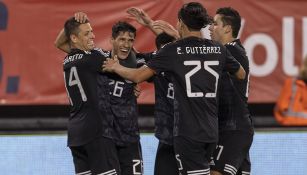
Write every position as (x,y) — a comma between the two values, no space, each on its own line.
(191,34)
(74,46)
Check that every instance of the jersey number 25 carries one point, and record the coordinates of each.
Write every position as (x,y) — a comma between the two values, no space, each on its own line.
(207,67)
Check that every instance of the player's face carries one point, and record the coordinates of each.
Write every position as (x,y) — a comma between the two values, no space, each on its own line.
(122,44)
(217,29)
(85,38)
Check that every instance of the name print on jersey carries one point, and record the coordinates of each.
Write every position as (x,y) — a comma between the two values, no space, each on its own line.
(198,50)
(72,58)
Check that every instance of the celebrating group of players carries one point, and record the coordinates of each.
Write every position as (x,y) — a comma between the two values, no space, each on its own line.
(201,90)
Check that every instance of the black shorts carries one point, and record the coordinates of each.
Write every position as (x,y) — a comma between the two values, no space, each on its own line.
(130,158)
(96,157)
(165,163)
(193,157)
(231,155)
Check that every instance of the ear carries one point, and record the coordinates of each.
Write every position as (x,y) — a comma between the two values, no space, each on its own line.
(73,38)
(111,40)
(227,29)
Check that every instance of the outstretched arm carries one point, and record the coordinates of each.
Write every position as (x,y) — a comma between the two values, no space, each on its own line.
(136,75)
(61,41)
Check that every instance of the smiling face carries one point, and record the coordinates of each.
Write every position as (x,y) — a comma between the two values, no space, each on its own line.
(84,40)
(122,44)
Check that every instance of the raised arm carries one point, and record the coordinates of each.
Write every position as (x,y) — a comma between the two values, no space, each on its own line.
(61,42)
(142,18)
(157,27)
(165,27)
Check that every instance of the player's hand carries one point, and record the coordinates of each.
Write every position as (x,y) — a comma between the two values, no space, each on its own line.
(139,15)
(110,64)
(165,27)
(81,17)
(137,90)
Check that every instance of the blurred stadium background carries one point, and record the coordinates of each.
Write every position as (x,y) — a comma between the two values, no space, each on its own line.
(33,104)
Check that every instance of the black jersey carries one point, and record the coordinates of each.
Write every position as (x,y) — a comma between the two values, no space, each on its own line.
(81,72)
(123,104)
(233,109)
(196,65)
(164,104)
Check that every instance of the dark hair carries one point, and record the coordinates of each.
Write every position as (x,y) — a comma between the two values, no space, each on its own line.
(162,39)
(230,17)
(122,26)
(71,26)
(194,15)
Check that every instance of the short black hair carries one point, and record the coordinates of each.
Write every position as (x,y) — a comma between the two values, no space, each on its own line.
(71,26)
(230,17)
(194,15)
(122,26)
(162,39)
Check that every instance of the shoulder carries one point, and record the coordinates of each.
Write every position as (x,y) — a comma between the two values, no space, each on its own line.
(104,53)
(142,58)
(212,43)
(236,47)
(169,48)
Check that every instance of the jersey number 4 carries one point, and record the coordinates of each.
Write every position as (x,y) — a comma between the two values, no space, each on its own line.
(207,67)
(74,80)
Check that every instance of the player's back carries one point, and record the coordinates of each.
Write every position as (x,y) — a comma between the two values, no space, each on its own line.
(81,70)
(196,65)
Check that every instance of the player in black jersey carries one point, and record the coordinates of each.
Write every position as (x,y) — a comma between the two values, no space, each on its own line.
(196,65)
(123,102)
(235,124)
(92,153)
(165,162)
(117,101)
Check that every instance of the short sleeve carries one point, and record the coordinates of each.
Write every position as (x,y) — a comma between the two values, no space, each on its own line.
(231,64)
(161,61)
(240,55)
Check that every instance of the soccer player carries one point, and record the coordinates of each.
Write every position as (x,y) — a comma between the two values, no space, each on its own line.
(92,152)
(165,162)
(117,101)
(235,124)
(195,65)
(123,102)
